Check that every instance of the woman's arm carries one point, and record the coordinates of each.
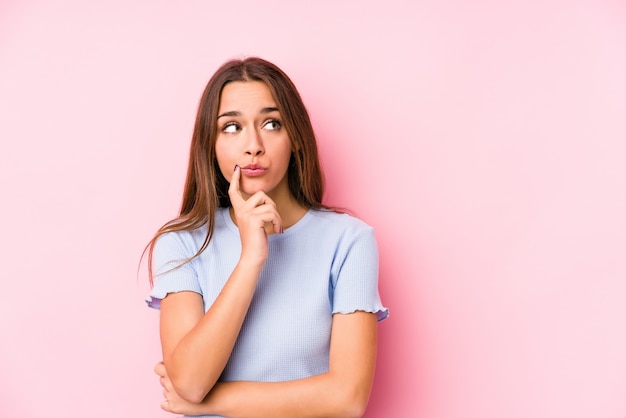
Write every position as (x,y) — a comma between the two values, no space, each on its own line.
(341,392)
(197,345)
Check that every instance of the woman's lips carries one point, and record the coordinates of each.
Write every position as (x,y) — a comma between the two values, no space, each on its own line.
(253,170)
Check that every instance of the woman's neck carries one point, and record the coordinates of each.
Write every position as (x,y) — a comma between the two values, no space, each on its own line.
(291,213)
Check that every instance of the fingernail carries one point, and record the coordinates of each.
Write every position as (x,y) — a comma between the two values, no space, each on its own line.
(236,167)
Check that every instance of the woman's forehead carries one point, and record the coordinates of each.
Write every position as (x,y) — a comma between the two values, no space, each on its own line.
(246,97)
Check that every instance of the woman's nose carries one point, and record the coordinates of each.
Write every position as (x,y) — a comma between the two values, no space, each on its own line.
(254,144)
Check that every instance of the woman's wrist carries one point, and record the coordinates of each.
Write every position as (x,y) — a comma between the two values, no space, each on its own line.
(251,264)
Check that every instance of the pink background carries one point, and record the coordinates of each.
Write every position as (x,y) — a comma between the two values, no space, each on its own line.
(485,141)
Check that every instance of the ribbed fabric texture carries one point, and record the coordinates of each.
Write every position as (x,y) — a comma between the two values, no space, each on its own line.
(327,263)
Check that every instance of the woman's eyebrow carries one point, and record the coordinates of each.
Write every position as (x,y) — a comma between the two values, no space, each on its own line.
(233,113)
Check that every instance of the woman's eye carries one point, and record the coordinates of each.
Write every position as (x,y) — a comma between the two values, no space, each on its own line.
(230,128)
(272,125)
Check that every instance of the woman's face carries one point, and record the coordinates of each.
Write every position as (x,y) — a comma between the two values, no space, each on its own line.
(251,135)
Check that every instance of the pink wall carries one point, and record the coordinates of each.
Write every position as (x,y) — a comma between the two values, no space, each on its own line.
(486,143)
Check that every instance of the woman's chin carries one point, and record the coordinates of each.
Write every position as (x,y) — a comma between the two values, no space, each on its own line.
(246,192)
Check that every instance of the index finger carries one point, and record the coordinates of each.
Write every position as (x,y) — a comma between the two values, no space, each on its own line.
(233,189)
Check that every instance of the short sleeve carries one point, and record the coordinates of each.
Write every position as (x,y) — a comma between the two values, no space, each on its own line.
(355,281)
(172,272)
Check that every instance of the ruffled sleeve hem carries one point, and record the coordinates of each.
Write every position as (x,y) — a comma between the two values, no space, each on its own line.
(381,313)
(154,300)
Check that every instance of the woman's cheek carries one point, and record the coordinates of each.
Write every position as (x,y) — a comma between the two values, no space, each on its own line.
(225,166)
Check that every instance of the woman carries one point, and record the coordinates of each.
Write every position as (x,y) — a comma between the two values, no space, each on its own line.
(268,298)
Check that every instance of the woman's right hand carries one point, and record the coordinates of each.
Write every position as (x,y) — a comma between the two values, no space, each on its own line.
(256,218)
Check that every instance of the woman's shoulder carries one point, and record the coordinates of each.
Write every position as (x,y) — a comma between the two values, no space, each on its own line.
(339,220)
(186,237)
(342,231)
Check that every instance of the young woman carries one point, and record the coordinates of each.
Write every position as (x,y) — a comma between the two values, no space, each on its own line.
(268,298)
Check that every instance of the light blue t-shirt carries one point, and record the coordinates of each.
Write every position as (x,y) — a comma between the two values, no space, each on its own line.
(326,263)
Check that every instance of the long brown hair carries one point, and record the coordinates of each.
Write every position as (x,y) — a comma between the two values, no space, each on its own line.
(206,189)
